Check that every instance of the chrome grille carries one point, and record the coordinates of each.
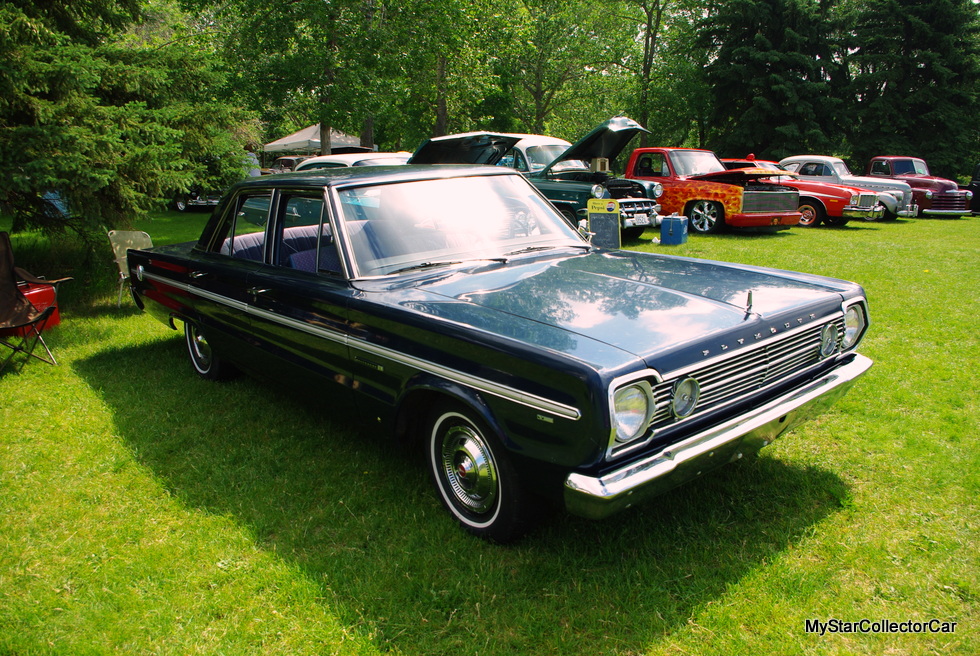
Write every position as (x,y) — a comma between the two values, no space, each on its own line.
(950,201)
(630,206)
(867,200)
(770,201)
(730,379)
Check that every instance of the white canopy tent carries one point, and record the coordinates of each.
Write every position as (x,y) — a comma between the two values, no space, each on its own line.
(307,141)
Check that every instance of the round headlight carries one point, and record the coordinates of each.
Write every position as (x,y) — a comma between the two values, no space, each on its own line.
(658,190)
(969,195)
(598,191)
(685,397)
(828,340)
(928,193)
(854,324)
(631,412)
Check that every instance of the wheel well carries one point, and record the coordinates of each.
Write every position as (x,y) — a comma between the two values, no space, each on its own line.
(813,201)
(416,405)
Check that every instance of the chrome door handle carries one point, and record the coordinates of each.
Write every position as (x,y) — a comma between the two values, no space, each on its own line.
(197,274)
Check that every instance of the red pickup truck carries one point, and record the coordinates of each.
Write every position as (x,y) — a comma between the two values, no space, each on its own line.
(697,185)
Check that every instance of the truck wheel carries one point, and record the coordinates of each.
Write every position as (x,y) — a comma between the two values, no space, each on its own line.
(473,476)
(205,362)
(634,232)
(813,213)
(706,216)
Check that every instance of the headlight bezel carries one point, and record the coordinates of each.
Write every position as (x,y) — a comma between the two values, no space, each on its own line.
(646,380)
(856,323)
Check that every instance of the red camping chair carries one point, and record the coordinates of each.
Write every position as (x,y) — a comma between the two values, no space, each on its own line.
(21,322)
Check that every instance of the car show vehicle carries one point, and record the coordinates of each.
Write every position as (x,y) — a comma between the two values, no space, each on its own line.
(895,195)
(195,198)
(697,185)
(454,308)
(974,188)
(820,202)
(572,176)
(369,158)
(933,195)
(287,163)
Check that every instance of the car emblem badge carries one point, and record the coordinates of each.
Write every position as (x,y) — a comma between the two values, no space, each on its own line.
(741,340)
(772,329)
(705,352)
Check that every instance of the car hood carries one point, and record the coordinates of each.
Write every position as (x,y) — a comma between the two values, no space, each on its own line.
(608,139)
(928,182)
(869,182)
(467,148)
(612,307)
(735,176)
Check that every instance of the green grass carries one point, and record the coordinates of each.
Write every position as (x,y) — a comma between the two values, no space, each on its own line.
(143,510)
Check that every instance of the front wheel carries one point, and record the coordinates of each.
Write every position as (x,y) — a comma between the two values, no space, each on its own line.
(634,232)
(205,362)
(706,216)
(813,214)
(473,476)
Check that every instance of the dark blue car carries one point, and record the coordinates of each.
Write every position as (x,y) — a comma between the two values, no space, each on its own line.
(454,308)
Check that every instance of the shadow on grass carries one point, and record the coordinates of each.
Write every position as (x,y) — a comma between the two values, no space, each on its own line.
(361,519)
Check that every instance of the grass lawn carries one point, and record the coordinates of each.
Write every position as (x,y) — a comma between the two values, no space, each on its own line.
(145,511)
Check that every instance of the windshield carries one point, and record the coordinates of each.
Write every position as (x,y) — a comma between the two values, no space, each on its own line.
(418,224)
(910,166)
(695,162)
(539,157)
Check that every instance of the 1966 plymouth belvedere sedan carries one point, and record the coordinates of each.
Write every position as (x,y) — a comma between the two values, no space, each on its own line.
(454,306)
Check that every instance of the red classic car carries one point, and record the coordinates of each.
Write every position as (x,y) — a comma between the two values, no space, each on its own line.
(935,196)
(820,202)
(697,185)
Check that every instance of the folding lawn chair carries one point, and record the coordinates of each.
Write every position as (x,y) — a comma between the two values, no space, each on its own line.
(21,322)
(122,241)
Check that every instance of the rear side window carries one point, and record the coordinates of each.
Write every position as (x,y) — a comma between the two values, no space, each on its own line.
(246,235)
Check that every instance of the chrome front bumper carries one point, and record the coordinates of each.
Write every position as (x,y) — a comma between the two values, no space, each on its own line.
(598,497)
(863,213)
(911,212)
(963,212)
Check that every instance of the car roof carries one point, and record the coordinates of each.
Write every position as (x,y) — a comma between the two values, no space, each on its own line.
(371,174)
(349,159)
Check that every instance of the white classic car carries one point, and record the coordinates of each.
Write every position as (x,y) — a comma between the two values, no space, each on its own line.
(895,195)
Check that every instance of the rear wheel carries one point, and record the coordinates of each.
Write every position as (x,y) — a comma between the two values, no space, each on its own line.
(475,480)
(813,213)
(203,358)
(706,216)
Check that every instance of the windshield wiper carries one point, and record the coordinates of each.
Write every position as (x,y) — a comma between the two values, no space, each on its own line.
(442,263)
(531,249)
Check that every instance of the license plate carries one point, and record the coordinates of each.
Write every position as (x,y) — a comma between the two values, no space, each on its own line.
(641,218)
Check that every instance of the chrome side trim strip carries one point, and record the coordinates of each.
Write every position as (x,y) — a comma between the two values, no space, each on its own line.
(533,401)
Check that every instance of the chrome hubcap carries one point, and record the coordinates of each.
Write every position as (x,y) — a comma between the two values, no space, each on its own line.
(703,216)
(469,469)
(200,348)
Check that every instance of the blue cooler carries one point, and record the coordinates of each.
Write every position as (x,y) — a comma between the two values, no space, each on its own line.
(673,230)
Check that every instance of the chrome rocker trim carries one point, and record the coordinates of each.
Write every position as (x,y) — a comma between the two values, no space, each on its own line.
(599,497)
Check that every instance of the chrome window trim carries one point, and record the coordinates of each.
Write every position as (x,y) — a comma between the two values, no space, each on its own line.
(533,401)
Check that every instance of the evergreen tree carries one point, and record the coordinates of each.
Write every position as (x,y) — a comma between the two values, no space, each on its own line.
(915,67)
(104,119)
(772,76)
